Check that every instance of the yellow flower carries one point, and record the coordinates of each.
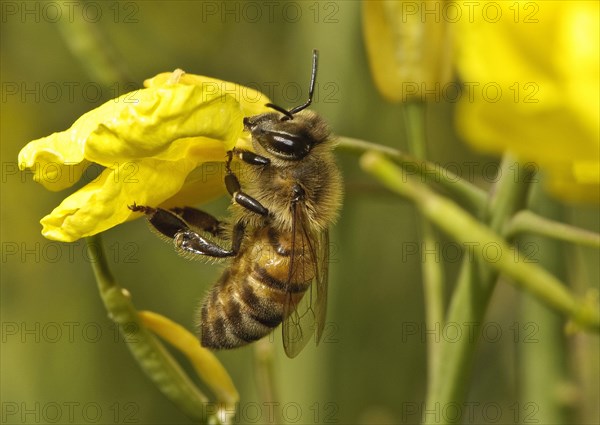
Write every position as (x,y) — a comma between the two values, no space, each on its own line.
(529,73)
(542,60)
(409,55)
(157,145)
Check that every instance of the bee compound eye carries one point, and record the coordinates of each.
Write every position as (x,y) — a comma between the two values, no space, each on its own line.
(288,146)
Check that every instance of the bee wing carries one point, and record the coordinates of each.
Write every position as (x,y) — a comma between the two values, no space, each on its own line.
(304,316)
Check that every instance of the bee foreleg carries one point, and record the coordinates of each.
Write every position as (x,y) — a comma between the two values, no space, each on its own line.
(235,190)
(248,157)
(233,184)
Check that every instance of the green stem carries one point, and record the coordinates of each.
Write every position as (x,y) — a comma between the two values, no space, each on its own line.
(539,334)
(149,353)
(478,274)
(265,381)
(414,117)
(483,243)
(471,297)
(529,222)
(474,197)
(433,278)
(433,281)
(510,193)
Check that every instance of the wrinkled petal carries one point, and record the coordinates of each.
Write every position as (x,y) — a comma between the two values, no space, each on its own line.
(251,101)
(163,115)
(153,144)
(102,204)
(58,160)
(52,168)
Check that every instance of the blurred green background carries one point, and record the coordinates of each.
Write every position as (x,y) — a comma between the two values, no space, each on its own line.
(61,354)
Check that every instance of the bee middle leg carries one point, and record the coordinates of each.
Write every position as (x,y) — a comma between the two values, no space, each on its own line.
(174,225)
(233,184)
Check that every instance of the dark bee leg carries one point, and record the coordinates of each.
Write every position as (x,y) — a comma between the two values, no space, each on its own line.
(165,222)
(172,226)
(233,184)
(248,157)
(190,241)
(200,219)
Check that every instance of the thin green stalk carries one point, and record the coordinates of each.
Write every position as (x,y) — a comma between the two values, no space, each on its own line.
(414,117)
(483,243)
(478,275)
(263,371)
(433,280)
(539,335)
(510,193)
(149,353)
(471,297)
(529,222)
(474,197)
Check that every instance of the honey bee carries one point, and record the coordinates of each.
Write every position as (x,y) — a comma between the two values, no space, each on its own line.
(289,195)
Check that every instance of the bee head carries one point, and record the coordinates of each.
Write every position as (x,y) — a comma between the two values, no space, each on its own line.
(289,135)
(287,139)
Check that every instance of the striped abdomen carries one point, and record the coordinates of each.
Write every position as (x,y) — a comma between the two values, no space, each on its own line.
(249,299)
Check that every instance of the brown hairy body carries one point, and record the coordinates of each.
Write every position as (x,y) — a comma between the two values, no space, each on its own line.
(276,262)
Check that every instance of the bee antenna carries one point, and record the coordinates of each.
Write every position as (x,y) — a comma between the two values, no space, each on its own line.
(311,89)
(289,115)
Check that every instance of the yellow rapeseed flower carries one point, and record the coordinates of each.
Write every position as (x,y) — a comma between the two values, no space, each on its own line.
(409,56)
(529,74)
(152,143)
(542,61)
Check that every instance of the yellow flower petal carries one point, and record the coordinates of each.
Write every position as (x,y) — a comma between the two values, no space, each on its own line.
(162,115)
(251,101)
(409,55)
(152,143)
(206,180)
(103,204)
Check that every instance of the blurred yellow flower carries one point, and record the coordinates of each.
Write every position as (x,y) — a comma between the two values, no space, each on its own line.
(152,142)
(410,57)
(541,61)
(529,74)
